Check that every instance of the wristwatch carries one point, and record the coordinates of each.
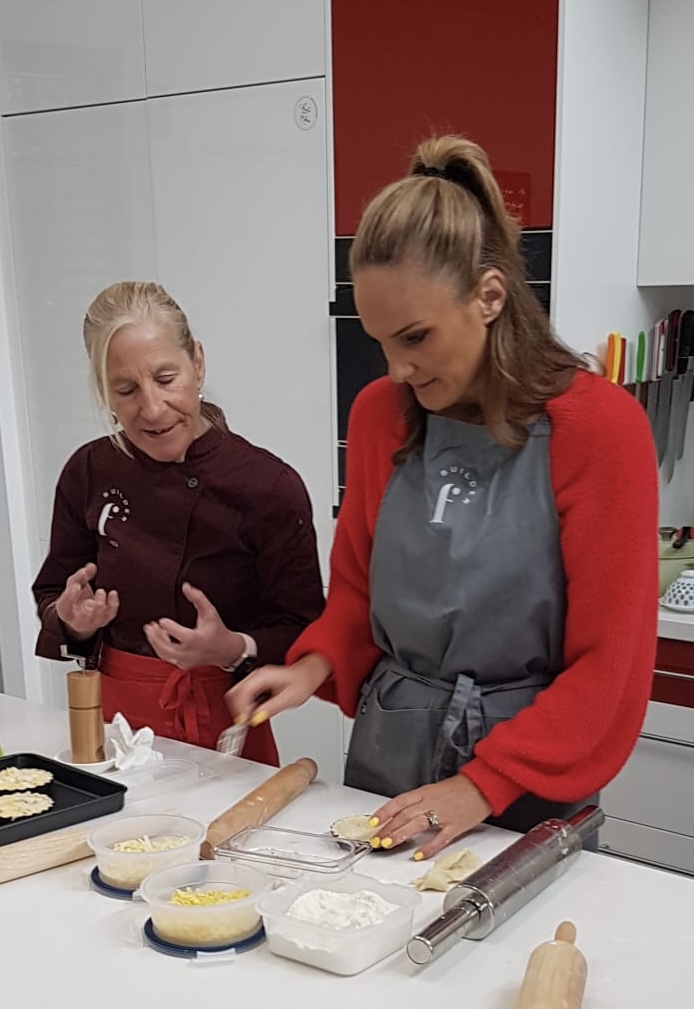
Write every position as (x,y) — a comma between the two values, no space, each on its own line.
(246,660)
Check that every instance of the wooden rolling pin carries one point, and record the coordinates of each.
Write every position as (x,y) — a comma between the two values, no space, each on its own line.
(259,805)
(555,977)
(24,858)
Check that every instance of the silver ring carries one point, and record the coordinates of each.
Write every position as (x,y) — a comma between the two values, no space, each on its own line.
(433,820)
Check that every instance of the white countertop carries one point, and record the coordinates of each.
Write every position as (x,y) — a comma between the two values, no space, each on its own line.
(679,626)
(62,945)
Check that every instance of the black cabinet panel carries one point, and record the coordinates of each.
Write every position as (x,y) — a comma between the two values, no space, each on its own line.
(359,361)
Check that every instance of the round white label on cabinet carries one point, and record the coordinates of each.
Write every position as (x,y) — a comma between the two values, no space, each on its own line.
(306,113)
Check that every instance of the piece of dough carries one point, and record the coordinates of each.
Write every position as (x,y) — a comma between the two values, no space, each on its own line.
(18,804)
(19,779)
(353,828)
(448,870)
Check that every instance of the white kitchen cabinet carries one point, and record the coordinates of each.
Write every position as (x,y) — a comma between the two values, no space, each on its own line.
(649,804)
(199,45)
(240,206)
(81,217)
(313,730)
(63,53)
(666,251)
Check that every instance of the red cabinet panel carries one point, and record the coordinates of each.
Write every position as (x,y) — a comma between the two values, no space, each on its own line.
(405,69)
(677,657)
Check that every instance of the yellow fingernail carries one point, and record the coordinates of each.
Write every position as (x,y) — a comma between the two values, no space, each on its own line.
(258,718)
(374,821)
(240,719)
(418,856)
(387,842)
(375,842)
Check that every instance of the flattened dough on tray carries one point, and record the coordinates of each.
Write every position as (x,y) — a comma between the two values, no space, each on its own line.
(18,804)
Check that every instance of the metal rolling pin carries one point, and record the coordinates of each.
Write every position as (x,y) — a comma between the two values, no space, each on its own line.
(474,908)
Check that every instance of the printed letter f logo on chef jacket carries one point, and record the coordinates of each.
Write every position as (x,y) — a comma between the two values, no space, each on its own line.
(462,488)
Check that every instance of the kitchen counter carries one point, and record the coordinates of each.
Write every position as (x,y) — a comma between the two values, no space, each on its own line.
(63,945)
(678,626)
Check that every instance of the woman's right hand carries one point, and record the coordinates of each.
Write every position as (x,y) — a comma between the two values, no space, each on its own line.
(271,689)
(81,610)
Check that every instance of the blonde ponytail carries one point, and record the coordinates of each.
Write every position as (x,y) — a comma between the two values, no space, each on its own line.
(448,219)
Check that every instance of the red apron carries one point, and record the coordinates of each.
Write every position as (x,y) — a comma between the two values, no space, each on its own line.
(185,704)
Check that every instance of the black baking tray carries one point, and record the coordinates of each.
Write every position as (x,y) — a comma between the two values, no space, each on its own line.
(77,796)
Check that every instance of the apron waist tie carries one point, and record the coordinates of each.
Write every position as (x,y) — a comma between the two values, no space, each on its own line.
(463,722)
(187,705)
(184,692)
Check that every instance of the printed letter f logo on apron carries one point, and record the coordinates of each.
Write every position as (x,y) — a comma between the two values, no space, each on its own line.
(452,491)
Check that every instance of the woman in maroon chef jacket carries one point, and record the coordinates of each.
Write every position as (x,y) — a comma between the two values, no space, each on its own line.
(180,554)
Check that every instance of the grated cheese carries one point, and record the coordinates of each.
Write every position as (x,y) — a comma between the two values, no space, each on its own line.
(147,843)
(206,898)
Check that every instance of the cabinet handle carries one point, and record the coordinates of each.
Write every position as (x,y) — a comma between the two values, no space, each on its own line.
(674,676)
(666,739)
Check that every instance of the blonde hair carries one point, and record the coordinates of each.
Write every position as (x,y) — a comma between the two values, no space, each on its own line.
(129,303)
(448,219)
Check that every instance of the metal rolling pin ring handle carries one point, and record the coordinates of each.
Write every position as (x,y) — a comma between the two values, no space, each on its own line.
(443,932)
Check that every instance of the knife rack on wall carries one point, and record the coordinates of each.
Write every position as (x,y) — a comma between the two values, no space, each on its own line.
(658,369)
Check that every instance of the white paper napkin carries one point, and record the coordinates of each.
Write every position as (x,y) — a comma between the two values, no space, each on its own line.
(132,749)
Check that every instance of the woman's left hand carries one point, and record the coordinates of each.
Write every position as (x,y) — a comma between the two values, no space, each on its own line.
(455,804)
(209,643)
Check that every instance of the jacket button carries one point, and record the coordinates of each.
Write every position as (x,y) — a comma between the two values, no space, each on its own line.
(193,482)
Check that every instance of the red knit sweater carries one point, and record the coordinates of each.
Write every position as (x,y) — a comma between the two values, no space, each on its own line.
(578,732)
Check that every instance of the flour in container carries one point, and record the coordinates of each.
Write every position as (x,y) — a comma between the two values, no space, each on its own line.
(341,910)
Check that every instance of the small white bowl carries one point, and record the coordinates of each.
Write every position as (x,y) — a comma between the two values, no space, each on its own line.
(65,757)
(679,595)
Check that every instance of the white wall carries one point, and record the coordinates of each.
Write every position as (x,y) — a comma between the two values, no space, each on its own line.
(597,198)
(19,546)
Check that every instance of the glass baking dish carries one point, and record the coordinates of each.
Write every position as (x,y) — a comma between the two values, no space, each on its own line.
(289,854)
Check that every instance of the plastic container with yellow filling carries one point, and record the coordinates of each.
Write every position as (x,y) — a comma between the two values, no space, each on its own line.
(196,925)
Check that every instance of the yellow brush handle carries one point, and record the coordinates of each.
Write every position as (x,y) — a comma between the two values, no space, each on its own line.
(555,977)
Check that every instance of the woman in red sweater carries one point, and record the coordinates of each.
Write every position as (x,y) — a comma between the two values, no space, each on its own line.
(491,618)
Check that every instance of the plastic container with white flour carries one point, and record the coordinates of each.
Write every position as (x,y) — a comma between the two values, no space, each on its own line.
(339,942)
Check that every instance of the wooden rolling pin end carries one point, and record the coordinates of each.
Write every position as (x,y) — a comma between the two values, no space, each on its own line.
(555,977)
(258,806)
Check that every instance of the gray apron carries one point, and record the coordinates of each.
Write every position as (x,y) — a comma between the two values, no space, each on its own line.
(468,603)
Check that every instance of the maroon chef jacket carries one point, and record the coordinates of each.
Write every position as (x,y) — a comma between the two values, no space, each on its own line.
(233,520)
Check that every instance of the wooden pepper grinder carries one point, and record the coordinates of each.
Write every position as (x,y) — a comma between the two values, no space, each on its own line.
(86,717)
(555,977)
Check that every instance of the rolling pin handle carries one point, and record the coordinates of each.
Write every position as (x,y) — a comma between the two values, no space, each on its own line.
(566,932)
